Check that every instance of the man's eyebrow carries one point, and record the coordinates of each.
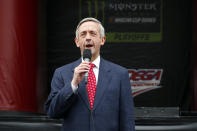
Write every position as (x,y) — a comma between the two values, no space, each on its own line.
(83,32)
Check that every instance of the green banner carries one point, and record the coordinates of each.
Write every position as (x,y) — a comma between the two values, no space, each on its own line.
(133,37)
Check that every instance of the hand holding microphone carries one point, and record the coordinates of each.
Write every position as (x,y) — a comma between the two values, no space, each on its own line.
(82,70)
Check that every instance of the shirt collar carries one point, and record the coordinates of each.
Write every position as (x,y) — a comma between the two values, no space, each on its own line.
(96,62)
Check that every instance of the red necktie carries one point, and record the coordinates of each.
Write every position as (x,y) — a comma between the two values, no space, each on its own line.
(91,85)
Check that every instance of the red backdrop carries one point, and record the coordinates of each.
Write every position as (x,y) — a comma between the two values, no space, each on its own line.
(18,45)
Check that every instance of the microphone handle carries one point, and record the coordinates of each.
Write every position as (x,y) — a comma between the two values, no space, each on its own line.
(86,77)
(86,74)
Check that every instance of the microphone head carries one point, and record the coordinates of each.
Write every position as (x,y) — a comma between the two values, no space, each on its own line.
(87,54)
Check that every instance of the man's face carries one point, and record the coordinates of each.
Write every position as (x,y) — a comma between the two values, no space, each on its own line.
(89,38)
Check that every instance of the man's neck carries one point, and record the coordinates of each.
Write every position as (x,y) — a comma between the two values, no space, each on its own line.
(94,58)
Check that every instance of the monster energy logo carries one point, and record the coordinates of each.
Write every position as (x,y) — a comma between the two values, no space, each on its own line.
(128,21)
(92,8)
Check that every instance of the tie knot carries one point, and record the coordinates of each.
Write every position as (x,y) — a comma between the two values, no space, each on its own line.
(92,65)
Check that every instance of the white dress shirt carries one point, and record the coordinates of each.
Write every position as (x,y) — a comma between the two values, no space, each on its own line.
(96,62)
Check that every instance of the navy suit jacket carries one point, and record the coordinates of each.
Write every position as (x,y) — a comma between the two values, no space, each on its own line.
(113,104)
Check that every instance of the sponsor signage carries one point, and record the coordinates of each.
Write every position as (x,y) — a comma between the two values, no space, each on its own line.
(126,21)
(143,80)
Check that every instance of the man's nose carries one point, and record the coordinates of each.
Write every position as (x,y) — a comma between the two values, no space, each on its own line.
(88,37)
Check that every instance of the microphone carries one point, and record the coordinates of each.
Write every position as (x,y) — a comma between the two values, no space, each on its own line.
(87,57)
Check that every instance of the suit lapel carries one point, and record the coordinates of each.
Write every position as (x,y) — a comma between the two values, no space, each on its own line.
(104,78)
(82,90)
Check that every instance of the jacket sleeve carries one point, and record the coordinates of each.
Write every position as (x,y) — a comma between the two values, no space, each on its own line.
(60,98)
(127,122)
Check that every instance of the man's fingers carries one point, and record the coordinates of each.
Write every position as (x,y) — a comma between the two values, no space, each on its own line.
(84,64)
(81,69)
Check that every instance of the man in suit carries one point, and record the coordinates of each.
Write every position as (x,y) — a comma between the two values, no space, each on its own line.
(111,107)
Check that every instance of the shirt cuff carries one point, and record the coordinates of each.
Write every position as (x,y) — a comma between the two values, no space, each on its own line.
(74,88)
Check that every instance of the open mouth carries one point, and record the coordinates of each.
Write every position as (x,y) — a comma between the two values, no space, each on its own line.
(89,46)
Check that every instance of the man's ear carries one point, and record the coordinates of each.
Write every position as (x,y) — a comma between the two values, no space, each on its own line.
(103,41)
(76,42)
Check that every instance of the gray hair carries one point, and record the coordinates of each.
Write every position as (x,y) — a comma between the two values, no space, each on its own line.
(102,30)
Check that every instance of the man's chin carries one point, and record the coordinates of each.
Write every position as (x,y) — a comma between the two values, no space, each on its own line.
(90,48)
